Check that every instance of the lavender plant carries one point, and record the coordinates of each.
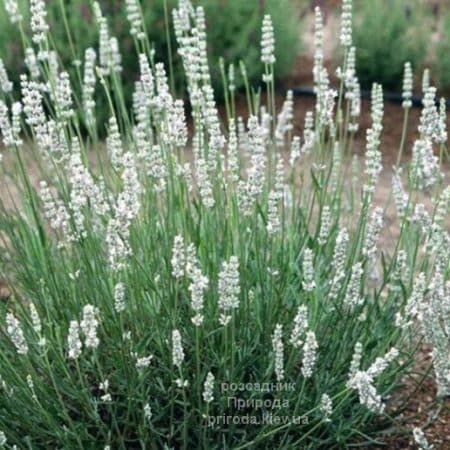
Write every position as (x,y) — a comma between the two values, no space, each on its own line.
(217,285)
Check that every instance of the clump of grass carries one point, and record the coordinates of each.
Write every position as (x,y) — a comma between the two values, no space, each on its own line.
(213,286)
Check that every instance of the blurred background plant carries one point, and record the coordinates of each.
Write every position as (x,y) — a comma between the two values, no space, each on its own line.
(233,33)
(442,61)
(386,36)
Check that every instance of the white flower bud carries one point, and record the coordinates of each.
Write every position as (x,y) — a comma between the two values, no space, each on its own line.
(352,297)
(278,349)
(308,283)
(346,23)
(267,41)
(326,407)
(89,326)
(177,349)
(229,289)
(208,388)
(12,9)
(38,23)
(16,335)
(300,326)
(73,340)
(407,86)
(309,354)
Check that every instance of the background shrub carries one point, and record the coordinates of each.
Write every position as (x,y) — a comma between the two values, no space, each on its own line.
(234,33)
(386,37)
(442,63)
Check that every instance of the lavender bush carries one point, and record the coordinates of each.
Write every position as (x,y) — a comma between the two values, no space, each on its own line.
(220,285)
